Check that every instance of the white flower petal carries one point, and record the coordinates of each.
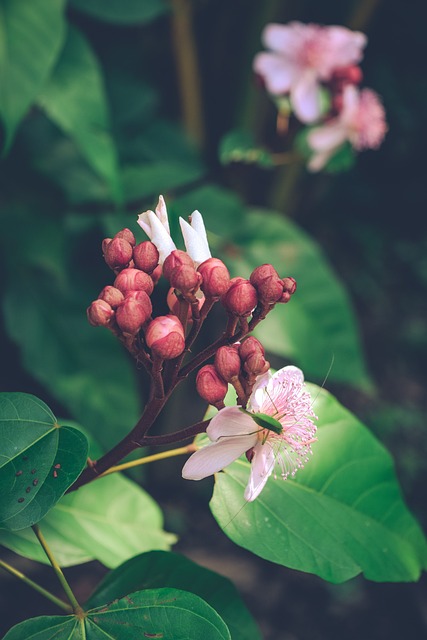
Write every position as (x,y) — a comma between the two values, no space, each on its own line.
(160,237)
(144,223)
(258,394)
(162,213)
(305,97)
(214,457)
(327,138)
(262,466)
(277,72)
(195,239)
(232,422)
(286,373)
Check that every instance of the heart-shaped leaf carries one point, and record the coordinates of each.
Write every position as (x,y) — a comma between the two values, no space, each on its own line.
(342,515)
(161,569)
(39,459)
(169,614)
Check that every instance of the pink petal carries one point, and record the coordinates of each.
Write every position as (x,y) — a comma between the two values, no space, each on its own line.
(262,466)
(305,97)
(258,392)
(288,372)
(215,456)
(277,72)
(230,422)
(282,38)
(327,138)
(318,161)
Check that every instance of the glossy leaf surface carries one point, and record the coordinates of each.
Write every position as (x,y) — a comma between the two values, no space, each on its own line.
(39,459)
(169,614)
(342,515)
(160,569)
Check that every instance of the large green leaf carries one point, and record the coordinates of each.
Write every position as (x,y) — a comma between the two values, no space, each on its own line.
(122,11)
(318,325)
(157,613)
(75,99)
(39,459)
(342,515)
(160,569)
(154,178)
(110,520)
(31,36)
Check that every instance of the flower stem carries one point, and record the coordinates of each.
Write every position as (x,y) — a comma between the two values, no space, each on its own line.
(187,68)
(153,458)
(63,605)
(77,609)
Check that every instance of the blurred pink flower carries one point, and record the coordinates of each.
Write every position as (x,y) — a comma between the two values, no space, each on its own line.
(361,122)
(302,56)
(234,432)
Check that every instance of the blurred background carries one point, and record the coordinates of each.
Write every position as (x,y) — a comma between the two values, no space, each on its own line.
(106,105)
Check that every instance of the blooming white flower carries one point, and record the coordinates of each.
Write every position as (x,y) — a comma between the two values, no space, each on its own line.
(276,430)
(156,226)
(302,56)
(361,122)
(195,238)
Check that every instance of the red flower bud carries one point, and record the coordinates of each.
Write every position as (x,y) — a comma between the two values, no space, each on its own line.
(99,313)
(289,285)
(228,363)
(165,337)
(146,256)
(216,278)
(286,296)
(185,278)
(105,244)
(155,275)
(260,273)
(134,280)
(351,74)
(133,313)
(256,364)
(241,297)
(112,296)
(175,259)
(118,253)
(126,234)
(210,385)
(250,346)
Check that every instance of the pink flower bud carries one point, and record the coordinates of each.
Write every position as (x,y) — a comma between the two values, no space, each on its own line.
(260,273)
(250,346)
(105,244)
(126,234)
(132,314)
(185,278)
(118,253)
(210,385)
(286,296)
(156,274)
(351,74)
(256,364)
(112,296)
(99,313)
(141,296)
(165,337)
(289,285)
(228,363)
(216,278)
(146,256)
(134,280)
(241,297)
(175,259)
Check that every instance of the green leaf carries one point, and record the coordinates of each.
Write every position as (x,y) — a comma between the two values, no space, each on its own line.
(156,613)
(240,146)
(317,327)
(154,178)
(39,459)
(75,99)
(110,520)
(342,515)
(31,36)
(160,569)
(122,11)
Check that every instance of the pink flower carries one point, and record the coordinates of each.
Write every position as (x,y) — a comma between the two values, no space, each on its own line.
(282,436)
(360,122)
(302,56)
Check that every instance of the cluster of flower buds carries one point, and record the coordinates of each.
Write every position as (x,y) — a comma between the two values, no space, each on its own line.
(196,281)
(313,71)
(238,364)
